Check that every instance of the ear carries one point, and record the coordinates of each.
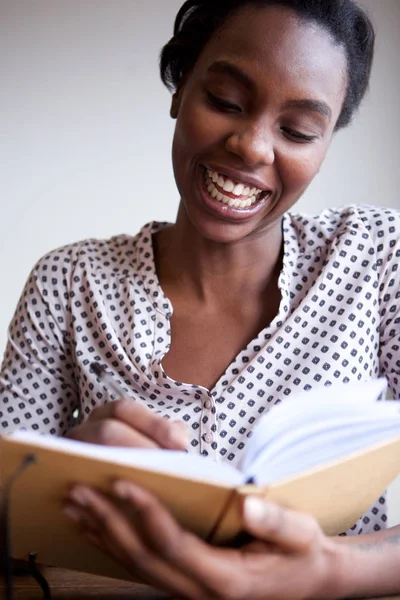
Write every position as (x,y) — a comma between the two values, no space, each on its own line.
(176,103)
(177,98)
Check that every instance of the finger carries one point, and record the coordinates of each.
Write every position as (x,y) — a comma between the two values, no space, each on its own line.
(259,547)
(164,432)
(108,528)
(85,521)
(111,432)
(290,530)
(162,532)
(219,571)
(78,514)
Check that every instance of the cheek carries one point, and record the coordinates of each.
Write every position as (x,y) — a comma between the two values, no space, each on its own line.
(197,131)
(298,169)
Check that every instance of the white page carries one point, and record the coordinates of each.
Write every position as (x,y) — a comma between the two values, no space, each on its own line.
(173,462)
(296,413)
(266,469)
(319,426)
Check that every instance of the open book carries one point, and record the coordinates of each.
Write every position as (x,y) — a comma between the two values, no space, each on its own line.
(330,452)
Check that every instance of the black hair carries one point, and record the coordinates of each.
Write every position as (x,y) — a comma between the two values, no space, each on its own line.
(349,26)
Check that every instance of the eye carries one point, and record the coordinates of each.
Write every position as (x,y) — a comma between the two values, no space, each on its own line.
(297,136)
(222,104)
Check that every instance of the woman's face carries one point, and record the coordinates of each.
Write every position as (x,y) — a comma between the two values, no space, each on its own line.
(254,121)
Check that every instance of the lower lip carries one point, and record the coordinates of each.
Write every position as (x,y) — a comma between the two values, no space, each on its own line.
(224,211)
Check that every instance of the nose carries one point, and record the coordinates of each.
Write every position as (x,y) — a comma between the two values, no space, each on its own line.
(253,144)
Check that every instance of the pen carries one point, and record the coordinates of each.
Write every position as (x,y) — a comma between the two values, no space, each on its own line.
(106,377)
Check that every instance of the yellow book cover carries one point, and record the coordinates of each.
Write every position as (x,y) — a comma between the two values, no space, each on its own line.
(330,452)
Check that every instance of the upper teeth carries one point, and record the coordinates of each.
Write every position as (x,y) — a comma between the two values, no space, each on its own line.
(238,189)
(238,202)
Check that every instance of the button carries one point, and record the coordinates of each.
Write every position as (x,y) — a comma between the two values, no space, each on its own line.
(208,438)
(207,404)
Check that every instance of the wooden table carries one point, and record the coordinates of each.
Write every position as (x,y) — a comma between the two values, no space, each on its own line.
(70,585)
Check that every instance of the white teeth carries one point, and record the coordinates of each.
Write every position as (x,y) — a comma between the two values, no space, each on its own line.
(238,189)
(228,186)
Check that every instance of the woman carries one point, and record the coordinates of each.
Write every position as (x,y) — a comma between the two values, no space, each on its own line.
(258,302)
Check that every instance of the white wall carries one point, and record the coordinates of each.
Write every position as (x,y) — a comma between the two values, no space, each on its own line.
(85,133)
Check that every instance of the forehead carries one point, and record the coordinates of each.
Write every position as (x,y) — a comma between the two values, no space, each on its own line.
(274,46)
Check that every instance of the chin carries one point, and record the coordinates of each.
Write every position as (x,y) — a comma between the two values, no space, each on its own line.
(220,231)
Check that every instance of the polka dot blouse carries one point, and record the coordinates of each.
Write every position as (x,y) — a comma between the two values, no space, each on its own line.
(100,300)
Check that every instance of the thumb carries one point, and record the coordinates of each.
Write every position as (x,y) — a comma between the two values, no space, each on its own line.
(291,530)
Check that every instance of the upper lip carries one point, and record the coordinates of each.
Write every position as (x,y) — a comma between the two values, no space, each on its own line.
(237,176)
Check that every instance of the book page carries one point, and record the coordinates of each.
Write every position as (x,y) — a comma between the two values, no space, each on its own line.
(319,426)
(173,462)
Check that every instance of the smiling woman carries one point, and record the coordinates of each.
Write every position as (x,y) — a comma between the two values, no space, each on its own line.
(217,317)
(260,112)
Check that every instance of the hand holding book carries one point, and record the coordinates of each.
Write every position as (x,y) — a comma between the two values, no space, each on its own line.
(329,452)
(284,547)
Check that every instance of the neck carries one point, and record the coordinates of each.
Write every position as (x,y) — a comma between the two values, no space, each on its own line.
(210,271)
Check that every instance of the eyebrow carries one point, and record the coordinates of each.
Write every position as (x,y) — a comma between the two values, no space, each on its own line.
(313,105)
(226,68)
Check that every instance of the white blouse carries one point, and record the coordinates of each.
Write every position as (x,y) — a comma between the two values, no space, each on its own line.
(100,300)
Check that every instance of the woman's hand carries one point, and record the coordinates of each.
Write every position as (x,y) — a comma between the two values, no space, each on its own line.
(126,423)
(289,558)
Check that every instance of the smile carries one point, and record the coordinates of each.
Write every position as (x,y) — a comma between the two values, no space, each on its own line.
(234,194)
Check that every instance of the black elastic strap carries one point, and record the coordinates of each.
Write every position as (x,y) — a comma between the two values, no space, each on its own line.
(242,537)
(214,529)
(36,574)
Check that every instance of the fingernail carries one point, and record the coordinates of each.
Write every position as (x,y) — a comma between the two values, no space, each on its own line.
(179,433)
(126,490)
(72,513)
(120,489)
(78,496)
(255,510)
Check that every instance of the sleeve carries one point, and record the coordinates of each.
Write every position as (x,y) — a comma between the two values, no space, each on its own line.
(37,386)
(387,242)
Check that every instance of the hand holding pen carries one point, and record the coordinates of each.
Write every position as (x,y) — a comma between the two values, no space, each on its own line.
(124,422)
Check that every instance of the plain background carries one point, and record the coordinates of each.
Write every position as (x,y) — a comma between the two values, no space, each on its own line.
(85,133)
